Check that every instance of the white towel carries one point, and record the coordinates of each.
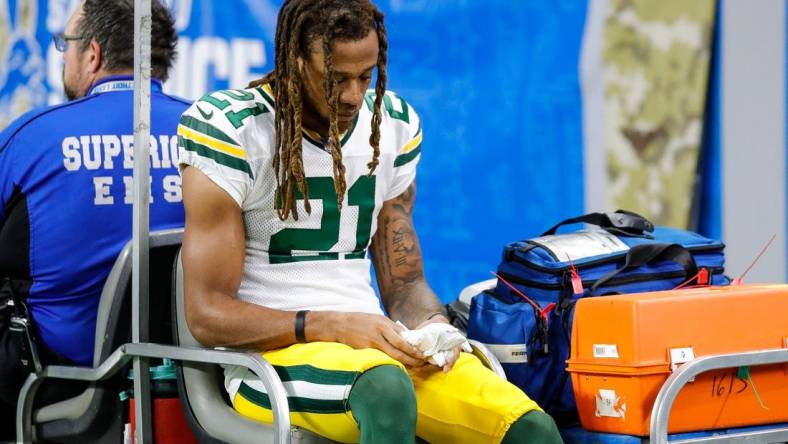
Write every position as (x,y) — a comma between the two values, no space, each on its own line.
(437,341)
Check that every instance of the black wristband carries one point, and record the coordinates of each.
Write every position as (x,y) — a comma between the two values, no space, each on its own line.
(299,325)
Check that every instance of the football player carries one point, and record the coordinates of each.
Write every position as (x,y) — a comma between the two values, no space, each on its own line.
(291,186)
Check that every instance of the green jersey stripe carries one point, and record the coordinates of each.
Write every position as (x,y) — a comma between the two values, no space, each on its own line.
(315,375)
(356,255)
(220,158)
(265,95)
(296,404)
(207,129)
(311,140)
(288,258)
(407,157)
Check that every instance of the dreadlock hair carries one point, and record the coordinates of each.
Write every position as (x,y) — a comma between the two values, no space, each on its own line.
(300,23)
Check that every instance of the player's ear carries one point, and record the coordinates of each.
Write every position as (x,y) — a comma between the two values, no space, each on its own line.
(95,56)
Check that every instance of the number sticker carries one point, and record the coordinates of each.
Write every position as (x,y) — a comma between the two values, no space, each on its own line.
(605,351)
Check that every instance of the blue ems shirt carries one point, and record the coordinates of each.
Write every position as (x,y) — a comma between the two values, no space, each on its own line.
(73,164)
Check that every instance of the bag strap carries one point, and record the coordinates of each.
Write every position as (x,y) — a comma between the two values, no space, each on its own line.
(622,222)
(640,255)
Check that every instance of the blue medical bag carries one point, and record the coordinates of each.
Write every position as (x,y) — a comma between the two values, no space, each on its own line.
(526,320)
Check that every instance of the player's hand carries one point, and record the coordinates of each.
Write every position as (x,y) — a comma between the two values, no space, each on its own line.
(440,319)
(362,330)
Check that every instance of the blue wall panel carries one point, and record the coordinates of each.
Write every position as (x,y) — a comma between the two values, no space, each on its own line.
(496,84)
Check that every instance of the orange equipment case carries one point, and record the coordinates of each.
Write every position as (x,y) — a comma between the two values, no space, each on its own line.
(623,348)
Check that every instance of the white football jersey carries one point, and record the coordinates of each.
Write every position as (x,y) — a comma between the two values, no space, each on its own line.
(319,262)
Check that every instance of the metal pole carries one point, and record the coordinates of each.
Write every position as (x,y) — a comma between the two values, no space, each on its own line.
(140,214)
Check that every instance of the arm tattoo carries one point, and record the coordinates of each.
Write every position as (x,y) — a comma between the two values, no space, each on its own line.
(396,254)
(403,246)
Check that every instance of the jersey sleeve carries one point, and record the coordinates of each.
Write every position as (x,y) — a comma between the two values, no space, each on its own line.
(408,154)
(209,142)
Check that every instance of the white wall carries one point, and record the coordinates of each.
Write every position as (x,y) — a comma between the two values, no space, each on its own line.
(753,136)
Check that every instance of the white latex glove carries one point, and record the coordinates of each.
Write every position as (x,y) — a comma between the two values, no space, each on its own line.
(437,341)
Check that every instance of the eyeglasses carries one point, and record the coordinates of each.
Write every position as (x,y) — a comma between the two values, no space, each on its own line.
(61,40)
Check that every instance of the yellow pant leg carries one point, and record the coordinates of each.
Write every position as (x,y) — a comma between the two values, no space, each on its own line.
(470,404)
(317,377)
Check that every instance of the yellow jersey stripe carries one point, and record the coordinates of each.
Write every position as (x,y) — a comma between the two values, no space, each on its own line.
(416,141)
(210,142)
(267,88)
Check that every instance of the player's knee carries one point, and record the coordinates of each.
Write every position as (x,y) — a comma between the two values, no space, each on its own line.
(388,392)
(534,427)
(390,387)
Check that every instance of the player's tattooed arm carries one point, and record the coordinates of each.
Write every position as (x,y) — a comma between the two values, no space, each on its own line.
(396,254)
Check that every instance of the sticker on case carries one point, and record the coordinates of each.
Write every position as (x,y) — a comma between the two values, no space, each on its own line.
(605,351)
(610,405)
(680,356)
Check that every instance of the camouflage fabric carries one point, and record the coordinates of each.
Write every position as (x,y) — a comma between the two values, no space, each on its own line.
(656,55)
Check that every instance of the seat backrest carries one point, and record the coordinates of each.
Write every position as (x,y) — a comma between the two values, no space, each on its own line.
(89,416)
(183,336)
(201,390)
(202,395)
(115,304)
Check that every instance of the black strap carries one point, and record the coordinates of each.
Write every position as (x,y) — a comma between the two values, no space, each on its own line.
(640,255)
(622,222)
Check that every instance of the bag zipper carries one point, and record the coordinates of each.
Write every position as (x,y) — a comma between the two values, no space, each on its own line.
(521,261)
(588,283)
(542,318)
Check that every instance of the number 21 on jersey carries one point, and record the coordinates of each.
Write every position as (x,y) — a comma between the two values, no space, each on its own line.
(320,240)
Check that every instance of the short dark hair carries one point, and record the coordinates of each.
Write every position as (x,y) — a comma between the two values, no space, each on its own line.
(111,24)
